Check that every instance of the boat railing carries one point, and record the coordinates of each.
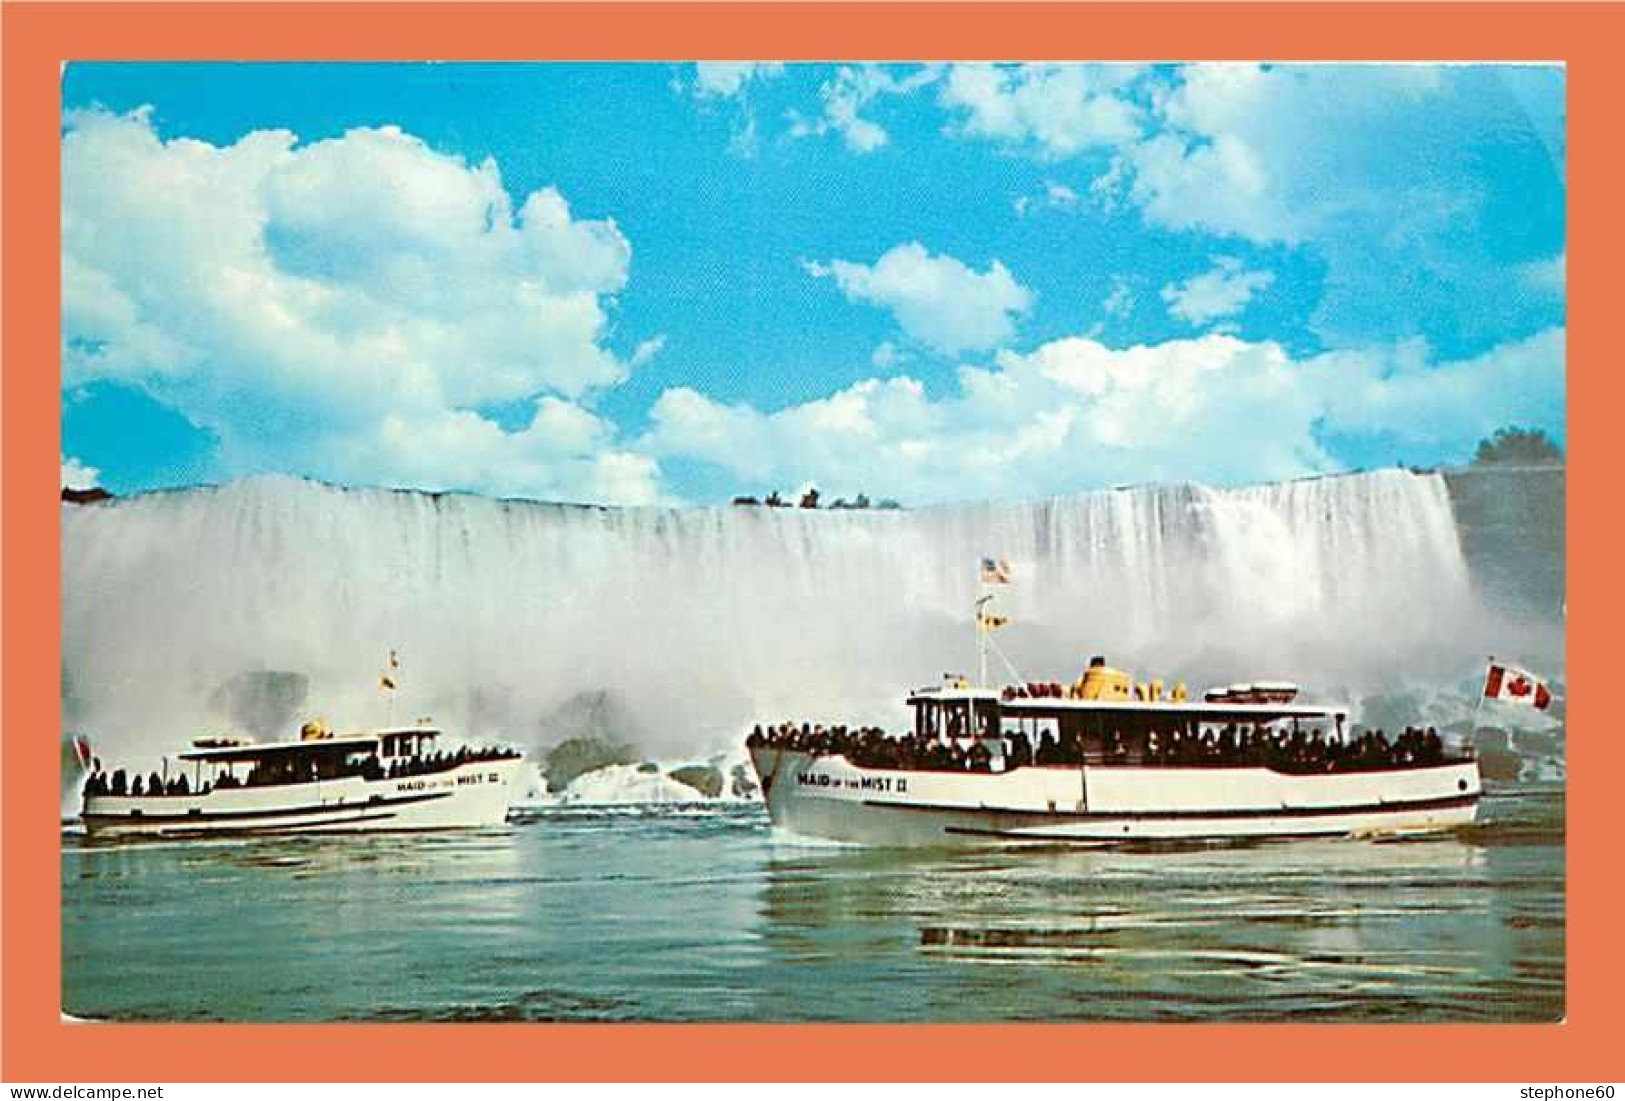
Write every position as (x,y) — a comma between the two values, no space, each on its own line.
(370,768)
(871,747)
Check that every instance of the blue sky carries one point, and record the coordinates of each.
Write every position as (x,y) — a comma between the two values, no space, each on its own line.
(647,283)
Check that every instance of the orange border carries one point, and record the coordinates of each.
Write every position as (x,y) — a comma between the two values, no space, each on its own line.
(37,1047)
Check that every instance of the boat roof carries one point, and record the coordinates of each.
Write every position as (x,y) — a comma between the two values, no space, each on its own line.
(1246,712)
(946,692)
(254,751)
(1250,712)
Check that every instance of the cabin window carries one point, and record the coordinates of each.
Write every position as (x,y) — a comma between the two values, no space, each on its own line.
(932,720)
(951,719)
(986,715)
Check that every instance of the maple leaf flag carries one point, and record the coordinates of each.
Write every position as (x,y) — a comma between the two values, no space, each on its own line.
(1510,684)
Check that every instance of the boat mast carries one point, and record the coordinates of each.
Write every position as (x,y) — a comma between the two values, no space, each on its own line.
(989,571)
(981,636)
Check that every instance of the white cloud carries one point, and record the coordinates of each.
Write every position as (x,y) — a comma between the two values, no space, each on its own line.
(353,302)
(887,356)
(937,300)
(1057,110)
(646,351)
(1055,196)
(1222,292)
(1060,195)
(743,142)
(1280,153)
(1116,306)
(1120,302)
(845,97)
(1550,276)
(1378,168)
(718,81)
(724,79)
(1074,413)
(1216,166)
(1400,393)
(78,475)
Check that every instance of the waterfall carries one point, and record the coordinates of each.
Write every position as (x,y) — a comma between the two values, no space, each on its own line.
(259,603)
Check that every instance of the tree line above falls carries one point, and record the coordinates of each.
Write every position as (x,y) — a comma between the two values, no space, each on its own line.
(1517,446)
(811,498)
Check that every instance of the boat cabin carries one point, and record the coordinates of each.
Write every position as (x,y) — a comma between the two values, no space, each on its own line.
(983,713)
(317,755)
(1109,717)
(415,741)
(291,762)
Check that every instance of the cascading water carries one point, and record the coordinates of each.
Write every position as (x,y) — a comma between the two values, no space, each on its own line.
(182,609)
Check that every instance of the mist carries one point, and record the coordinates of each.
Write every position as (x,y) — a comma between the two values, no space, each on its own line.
(253,606)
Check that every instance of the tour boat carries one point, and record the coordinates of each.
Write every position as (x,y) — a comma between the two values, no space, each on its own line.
(1245,762)
(321,782)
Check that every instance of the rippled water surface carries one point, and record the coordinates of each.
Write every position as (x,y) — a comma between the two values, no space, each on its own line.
(702,914)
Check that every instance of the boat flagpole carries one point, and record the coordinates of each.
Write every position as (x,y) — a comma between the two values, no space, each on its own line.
(1472,729)
(989,572)
(82,754)
(981,637)
(981,655)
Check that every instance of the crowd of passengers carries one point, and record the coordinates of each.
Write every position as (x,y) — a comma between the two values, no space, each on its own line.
(1235,746)
(297,771)
(400,767)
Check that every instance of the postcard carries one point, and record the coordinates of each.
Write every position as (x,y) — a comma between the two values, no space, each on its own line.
(928,542)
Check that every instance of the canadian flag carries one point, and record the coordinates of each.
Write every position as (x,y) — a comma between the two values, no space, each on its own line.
(1514,685)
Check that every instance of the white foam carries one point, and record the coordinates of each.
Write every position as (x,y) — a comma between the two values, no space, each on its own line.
(625,784)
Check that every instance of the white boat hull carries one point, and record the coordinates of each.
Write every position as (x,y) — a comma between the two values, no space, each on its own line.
(827,797)
(477,793)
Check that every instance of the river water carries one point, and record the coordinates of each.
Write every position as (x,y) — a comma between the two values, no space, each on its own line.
(702,913)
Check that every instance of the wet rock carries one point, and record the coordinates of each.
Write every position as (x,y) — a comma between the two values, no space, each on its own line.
(589,730)
(588,753)
(705,779)
(1521,756)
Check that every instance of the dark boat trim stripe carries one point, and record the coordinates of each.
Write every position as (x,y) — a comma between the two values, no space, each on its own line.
(305,825)
(274,812)
(1442,803)
(254,831)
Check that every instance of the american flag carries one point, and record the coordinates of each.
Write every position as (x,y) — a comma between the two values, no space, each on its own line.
(995,571)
